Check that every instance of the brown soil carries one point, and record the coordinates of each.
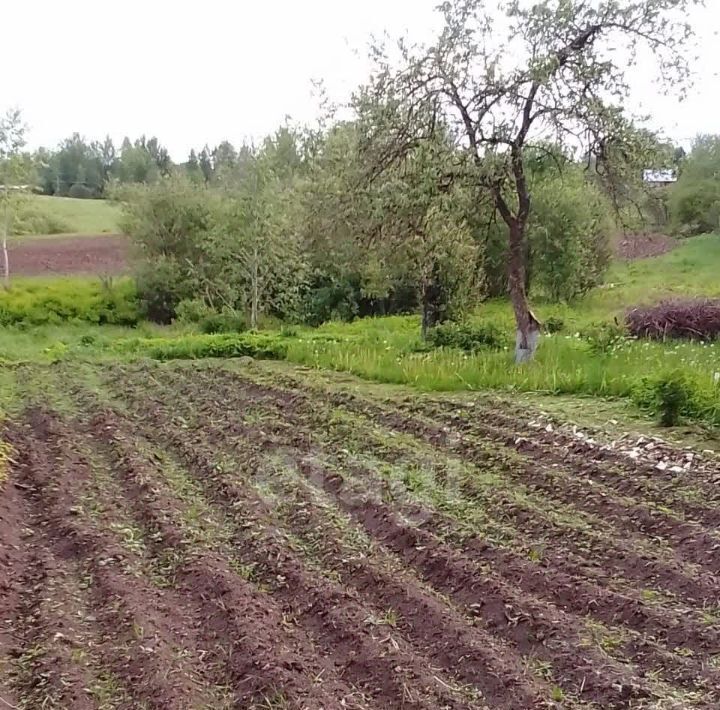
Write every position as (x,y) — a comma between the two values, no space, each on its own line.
(66,255)
(192,537)
(643,245)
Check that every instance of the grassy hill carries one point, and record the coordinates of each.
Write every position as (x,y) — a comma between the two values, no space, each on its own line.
(44,215)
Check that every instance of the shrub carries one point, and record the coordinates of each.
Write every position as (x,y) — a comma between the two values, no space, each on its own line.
(670,395)
(603,338)
(224,322)
(554,324)
(695,205)
(161,286)
(695,199)
(466,337)
(693,319)
(192,310)
(330,299)
(194,347)
(39,303)
(569,235)
(81,191)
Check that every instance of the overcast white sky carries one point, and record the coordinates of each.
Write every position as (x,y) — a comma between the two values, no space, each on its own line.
(199,72)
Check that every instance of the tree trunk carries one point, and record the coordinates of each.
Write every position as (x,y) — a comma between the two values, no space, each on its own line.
(433,307)
(6,263)
(255,295)
(516,286)
(6,231)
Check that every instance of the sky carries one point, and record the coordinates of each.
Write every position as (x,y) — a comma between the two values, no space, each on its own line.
(195,72)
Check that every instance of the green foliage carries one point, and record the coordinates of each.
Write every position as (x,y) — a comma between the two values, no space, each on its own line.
(569,235)
(330,299)
(30,218)
(223,322)
(194,347)
(80,191)
(169,224)
(33,303)
(695,199)
(161,285)
(193,310)
(234,250)
(554,324)
(604,338)
(670,395)
(469,338)
(168,220)
(252,258)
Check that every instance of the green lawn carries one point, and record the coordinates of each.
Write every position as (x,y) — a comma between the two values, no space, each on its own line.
(72,216)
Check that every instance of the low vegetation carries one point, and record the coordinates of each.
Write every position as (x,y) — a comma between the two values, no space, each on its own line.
(194,347)
(34,302)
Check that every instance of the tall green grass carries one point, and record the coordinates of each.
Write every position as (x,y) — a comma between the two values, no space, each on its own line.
(75,215)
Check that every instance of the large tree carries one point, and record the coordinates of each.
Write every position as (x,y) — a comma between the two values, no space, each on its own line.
(512,76)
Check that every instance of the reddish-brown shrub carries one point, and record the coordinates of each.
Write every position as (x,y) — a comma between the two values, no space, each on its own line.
(694,319)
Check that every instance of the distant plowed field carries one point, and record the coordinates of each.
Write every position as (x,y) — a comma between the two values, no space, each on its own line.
(207,536)
(67,254)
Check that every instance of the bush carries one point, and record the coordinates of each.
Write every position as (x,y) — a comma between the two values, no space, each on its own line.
(670,395)
(692,319)
(330,299)
(39,303)
(194,347)
(603,338)
(192,310)
(161,286)
(554,325)
(569,235)
(81,191)
(224,322)
(466,337)
(695,199)
(695,205)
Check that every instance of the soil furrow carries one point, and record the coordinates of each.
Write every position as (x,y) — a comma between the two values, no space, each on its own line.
(526,624)
(690,541)
(568,592)
(624,556)
(597,459)
(305,518)
(144,631)
(14,564)
(389,673)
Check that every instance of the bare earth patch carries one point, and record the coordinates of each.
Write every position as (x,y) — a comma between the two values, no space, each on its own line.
(643,246)
(67,255)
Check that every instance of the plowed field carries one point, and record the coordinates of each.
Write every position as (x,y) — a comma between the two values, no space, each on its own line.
(104,254)
(208,536)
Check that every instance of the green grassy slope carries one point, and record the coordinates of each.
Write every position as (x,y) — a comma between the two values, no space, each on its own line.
(73,216)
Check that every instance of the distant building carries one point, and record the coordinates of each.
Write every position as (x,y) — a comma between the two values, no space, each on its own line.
(659,177)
